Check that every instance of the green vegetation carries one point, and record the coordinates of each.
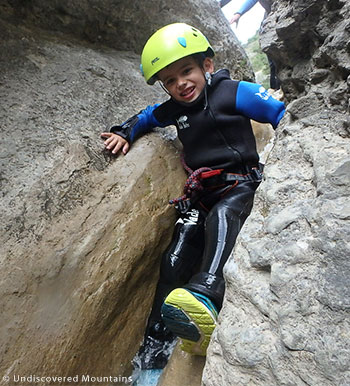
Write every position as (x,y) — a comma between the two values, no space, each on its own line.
(258,60)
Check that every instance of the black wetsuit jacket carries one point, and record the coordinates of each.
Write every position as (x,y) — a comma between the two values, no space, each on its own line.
(213,134)
(215,129)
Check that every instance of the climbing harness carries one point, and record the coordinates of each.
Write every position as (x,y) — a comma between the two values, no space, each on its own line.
(254,174)
(206,177)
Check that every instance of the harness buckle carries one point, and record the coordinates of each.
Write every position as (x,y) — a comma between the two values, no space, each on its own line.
(256,174)
(183,206)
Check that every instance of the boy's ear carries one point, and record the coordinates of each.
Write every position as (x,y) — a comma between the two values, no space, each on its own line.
(208,65)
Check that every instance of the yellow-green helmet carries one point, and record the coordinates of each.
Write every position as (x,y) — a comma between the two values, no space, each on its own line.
(169,44)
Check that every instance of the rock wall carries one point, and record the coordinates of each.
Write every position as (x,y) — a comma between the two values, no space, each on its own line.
(126,25)
(83,231)
(285,319)
(182,369)
(76,262)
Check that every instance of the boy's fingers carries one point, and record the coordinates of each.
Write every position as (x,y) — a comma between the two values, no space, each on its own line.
(126,148)
(117,147)
(109,137)
(108,143)
(115,143)
(111,142)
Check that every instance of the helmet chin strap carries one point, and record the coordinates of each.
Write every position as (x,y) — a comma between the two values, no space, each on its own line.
(163,87)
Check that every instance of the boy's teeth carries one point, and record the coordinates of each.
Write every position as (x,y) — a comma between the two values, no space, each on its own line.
(187,92)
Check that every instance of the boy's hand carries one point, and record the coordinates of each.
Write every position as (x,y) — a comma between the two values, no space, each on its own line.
(115,142)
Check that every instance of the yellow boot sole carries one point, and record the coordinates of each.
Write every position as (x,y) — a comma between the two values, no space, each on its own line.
(192,317)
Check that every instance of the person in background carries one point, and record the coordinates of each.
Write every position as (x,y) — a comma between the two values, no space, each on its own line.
(246,6)
(222,3)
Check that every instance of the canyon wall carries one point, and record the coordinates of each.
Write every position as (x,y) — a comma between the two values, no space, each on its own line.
(285,319)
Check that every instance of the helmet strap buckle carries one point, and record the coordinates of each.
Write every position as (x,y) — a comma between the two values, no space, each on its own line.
(208,78)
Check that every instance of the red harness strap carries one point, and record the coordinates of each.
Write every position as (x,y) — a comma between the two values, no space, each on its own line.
(193,182)
(211,173)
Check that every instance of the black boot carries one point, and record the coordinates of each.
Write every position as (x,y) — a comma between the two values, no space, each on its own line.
(156,348)
(210,285)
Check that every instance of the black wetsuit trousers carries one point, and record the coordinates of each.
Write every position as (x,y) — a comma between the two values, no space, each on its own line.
(202,241)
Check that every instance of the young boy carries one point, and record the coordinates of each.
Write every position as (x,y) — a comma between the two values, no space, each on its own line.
(212,115)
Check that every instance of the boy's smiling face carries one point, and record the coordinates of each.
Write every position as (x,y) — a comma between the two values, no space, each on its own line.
(184,79)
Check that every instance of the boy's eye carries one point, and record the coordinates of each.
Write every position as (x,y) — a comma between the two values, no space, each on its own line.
(170,81)
(187,70)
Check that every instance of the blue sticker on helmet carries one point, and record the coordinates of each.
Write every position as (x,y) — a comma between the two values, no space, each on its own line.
(182,42)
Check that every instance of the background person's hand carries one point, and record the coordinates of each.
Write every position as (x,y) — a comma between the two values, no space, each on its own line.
(235,19)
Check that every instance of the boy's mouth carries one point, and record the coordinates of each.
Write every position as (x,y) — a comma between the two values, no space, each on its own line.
(188,92)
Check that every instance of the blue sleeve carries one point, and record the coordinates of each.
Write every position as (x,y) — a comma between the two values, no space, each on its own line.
(246,6)
(145,123)
(139,124)
(253,101)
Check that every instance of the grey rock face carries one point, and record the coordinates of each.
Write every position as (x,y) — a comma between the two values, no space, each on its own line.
(285,319)
(126,25)
(70,280)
